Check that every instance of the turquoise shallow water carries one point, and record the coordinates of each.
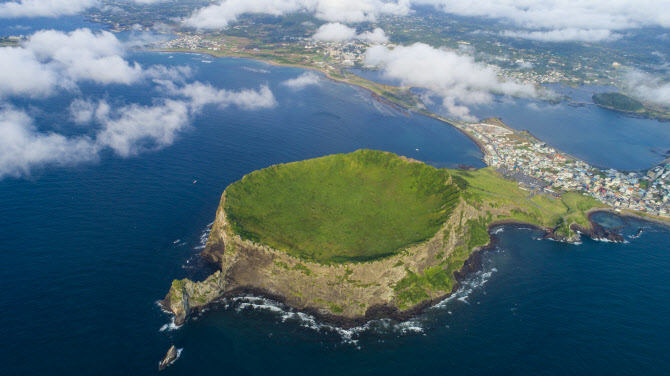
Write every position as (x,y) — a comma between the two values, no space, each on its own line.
(87,250)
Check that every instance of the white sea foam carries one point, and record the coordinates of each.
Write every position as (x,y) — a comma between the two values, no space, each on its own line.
(348,336)
(202,241)
(206,61)
(476,281)
(498,230)
(169,326)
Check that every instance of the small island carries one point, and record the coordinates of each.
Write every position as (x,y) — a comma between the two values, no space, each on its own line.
(359,236)
(624,103)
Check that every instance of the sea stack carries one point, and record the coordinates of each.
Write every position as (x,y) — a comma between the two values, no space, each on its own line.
(169,358)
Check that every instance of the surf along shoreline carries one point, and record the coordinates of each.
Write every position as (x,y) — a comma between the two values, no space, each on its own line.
(473,263)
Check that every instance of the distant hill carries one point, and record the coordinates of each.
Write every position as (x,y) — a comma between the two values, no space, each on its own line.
(618,101)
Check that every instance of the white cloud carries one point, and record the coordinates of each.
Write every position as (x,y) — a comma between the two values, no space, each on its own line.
(334,32)
(53,59)
(132,129)
(648,88)
(54,8)
(304,80)
(582,20)
(128,130)
(200,95)
(358,10)
(227,11)
(456,78)
(525,64)
(564,14)
(337,32)
(84,55)
(23,74)
(376,36)
(44,8)
(22,147)
(82,111)
(145,2)
(565,35)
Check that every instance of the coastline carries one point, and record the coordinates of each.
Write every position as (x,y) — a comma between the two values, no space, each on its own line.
(427,113)
(472,263)
(630,214)
(471,266)
(424,112)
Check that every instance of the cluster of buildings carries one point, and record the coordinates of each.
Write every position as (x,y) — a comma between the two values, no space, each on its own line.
(532,77)
(191,42)
(352,53)
(532,163)
(540,167)
(348,53)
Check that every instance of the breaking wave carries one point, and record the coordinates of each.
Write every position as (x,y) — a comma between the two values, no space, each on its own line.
(169,326)
(380,327)
(202,241)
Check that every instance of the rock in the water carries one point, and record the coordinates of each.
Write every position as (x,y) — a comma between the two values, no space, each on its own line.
(169,358)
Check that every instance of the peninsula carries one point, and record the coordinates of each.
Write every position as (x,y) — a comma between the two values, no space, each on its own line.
(623,103)
(369,234)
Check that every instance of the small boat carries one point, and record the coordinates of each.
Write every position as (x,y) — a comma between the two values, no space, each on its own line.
(195,181)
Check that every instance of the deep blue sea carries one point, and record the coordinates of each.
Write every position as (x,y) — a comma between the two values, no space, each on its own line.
(87,250)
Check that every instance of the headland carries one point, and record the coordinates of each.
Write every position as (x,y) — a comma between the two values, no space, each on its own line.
(359,236)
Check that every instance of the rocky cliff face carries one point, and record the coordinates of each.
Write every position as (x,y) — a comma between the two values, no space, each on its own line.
(350,294)
(345,294)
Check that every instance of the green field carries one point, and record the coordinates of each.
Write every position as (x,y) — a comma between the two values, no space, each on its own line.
(545,211)
(341,208)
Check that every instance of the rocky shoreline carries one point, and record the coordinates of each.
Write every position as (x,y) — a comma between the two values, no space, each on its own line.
(382,311)
(471,265)
(349,294)
(342,294)
(628,214)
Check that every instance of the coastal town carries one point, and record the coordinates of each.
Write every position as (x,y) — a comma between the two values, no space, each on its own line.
(538,167)
(337,55)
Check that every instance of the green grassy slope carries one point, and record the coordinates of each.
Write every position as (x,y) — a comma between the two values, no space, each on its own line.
(541,210)
(352,207)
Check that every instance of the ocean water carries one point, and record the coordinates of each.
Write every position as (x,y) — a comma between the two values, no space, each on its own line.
(580,128)
(596,135)
(87,250)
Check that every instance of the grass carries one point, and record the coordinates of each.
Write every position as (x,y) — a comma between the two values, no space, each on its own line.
(414,288)
(342,208)
(542,210)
